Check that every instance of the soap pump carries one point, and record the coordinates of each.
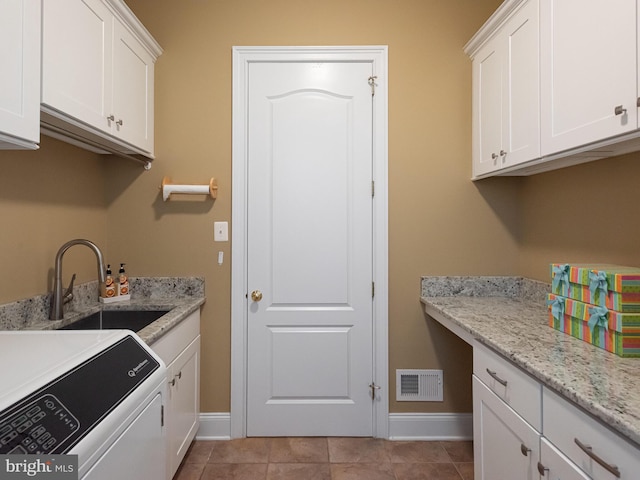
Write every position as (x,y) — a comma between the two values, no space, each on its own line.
(109,285)
(123,281)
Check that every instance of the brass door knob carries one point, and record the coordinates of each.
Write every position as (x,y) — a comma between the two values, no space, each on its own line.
(256,295)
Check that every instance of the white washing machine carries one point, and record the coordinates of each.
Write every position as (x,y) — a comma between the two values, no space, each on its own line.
(96,394)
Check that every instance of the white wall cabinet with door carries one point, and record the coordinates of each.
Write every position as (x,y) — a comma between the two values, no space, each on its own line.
(98,74)
(589,82)
(20,79)
(506,94)
(588,91)
(180,350)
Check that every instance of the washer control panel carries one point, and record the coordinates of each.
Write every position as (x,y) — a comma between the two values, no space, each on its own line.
(37,427)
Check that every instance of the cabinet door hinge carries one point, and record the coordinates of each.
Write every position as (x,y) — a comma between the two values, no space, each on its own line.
(373,188)
(373,289)
(162,415)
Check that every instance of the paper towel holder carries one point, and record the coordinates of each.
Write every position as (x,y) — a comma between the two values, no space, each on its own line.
(169,189)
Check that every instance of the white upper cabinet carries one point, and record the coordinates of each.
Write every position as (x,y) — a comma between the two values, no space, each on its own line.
(555,83)
(20,79)
(588,71)
(506,93)
(98,74)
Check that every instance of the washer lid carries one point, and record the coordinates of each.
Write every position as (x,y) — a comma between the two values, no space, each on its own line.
(29,359)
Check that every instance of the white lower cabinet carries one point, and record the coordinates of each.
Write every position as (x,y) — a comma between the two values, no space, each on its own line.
(555,466)
(180,350)
(522,430)
(598,451)
(505,445)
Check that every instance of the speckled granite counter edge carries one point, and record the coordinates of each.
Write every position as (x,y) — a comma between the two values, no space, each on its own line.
(478,298)
(180,295)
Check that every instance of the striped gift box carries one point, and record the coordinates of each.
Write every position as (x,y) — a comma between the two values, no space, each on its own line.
(612,286)
(613,331)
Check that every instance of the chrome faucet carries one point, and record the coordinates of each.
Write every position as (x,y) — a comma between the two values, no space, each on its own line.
(58,299)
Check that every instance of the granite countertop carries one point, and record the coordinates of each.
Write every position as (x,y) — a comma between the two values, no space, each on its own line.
(180,295)
(509,315)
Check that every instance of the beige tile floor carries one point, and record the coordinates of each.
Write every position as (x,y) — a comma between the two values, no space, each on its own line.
(326,459)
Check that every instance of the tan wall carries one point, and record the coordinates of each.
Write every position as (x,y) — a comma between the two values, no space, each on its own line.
(48,197)
(587,213)
(440,223)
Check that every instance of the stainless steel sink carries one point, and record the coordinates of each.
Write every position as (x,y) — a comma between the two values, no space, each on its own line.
(134,320)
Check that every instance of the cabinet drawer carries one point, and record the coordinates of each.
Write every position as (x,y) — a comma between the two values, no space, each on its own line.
(564,423)
(174,342)
(516,388)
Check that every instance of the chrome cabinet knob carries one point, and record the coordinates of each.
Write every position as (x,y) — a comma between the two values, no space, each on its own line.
(256,295)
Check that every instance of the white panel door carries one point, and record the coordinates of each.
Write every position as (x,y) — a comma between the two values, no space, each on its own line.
(587,69)
(20,79)
(77,38)
(309,249)
(488,71)
(522,131)
(132,90)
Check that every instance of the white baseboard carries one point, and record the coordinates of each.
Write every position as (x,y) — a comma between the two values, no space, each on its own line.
(214,426)
(430,426)
(402,426)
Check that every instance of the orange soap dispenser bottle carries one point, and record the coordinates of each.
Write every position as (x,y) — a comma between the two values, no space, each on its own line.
(110,286)
(123,281)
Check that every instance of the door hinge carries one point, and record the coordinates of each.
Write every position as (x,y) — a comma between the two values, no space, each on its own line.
(372,84)
(373,388)
(373,289)
(162,415)
(373,188)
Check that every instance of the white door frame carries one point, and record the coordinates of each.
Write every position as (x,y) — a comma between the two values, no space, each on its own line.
(242,57)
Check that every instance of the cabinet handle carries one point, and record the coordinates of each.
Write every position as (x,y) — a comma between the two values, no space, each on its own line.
(173,382)
(502,153)
(524,450)
(179,375)
(494,156)
(542,470)
(496,377)
(119,122)
(589,451)
(619,110)
(111,118)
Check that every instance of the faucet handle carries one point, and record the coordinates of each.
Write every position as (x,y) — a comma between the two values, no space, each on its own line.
(68,294)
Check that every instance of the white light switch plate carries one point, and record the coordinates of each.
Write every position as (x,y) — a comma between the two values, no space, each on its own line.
(220,231)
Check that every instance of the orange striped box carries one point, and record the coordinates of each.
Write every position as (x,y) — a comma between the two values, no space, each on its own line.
(612,286)
(613,331)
